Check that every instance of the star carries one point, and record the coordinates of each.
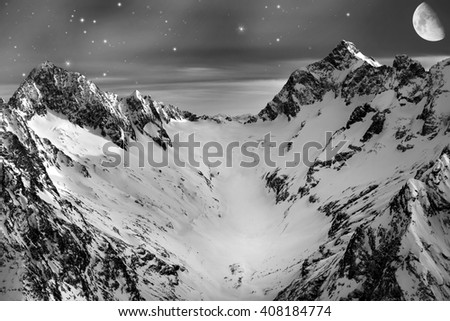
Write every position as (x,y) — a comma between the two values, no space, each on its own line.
(23,75)
(348,14)
(174,49)
(105,40)
(68,63)
(119,4)
(241,29)
(81,20)
(105,74)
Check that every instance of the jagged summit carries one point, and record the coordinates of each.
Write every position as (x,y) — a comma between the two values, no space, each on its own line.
(136,94)
(347,73)
(48,70)
(351,48)
(403,61)
(309,84)
(342,60)
(46,65)
(47,81)
(50,88)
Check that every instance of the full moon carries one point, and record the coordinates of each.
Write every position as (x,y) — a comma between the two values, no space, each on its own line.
(427,24)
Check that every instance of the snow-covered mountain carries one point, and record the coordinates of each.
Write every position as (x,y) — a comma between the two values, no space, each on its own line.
(370,222)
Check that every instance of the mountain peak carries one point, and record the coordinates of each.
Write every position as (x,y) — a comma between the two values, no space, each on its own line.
(47,80)
(348,45)
(46,65)
(404,62)
(136,94)
(347,49)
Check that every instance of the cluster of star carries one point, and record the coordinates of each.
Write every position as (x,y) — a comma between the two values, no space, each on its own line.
(275,11)
(81,27)
(97,32)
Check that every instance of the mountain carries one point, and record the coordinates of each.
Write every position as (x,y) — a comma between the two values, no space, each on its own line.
(364,214)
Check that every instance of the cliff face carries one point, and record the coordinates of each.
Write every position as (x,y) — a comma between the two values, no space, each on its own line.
(399,253)
(50,249)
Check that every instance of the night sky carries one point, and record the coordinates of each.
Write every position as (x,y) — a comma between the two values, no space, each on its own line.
(206,56)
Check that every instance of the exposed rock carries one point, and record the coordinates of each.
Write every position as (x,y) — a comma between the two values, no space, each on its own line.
(279,184)
(404,148)
(301,89)
(376,128)
(359,114)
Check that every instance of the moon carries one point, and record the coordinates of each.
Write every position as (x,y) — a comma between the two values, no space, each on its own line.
(427,24)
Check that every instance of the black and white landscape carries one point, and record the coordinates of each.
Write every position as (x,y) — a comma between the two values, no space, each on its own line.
(370,222)
(336,188)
